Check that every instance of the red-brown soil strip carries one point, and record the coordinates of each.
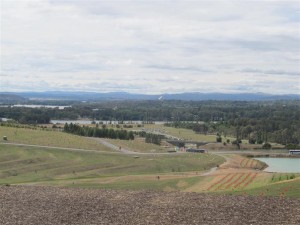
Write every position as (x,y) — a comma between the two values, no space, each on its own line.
(241,163)
(243,180)
(227,181)
(249,181)
(235,181)
(248,161)
(218,182)
(252,163)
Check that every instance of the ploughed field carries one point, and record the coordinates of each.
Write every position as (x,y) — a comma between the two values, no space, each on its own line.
(52,205)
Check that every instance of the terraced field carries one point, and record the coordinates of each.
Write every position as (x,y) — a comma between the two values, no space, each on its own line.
(251,163)
(232,181)
(241,175)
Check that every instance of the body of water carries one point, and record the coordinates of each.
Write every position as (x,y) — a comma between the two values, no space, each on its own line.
(39,106)
(283,165)
(43,106)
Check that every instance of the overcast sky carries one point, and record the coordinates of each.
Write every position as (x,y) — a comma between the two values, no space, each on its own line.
(151,46)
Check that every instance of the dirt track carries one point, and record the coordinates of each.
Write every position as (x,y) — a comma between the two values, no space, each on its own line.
(50,205)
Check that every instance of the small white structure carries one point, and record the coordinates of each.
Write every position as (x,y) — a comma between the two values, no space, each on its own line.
(294,152)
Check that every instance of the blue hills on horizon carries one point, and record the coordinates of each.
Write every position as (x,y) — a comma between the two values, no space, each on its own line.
(188,96)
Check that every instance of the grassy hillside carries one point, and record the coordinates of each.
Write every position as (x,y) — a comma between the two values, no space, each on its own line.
(49,138)
(55,166)
(42,166)
(288,188)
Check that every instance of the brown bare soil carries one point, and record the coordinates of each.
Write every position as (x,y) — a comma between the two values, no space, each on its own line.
(51,205)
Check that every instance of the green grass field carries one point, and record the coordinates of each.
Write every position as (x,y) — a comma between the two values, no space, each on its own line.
(182,133)
(49,138)
(62,167)
(287,188)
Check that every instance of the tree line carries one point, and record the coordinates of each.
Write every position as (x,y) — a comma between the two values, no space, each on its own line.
(151,138)
(98,132)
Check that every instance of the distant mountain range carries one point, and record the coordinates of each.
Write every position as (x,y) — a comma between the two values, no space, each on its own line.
(92,96)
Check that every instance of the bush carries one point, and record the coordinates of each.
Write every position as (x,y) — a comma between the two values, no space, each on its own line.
(260,142)
(219,139)
(236,142)
(266,146)
(292,146)
(292,176)
(252,141)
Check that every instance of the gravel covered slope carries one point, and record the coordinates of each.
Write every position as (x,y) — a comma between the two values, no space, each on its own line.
(51,205)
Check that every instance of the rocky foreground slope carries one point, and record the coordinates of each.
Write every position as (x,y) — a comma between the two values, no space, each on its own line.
(51,205)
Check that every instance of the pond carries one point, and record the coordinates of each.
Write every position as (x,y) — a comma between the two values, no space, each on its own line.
(283,165)
(38,106)
(43,106)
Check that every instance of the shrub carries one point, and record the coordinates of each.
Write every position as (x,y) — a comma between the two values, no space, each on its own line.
(292,146)
(266,146)
(252,141)
(219,139)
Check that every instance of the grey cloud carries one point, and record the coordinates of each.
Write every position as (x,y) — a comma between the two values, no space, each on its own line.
(178,68)
(150,46)
(271,43)
(272,72)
